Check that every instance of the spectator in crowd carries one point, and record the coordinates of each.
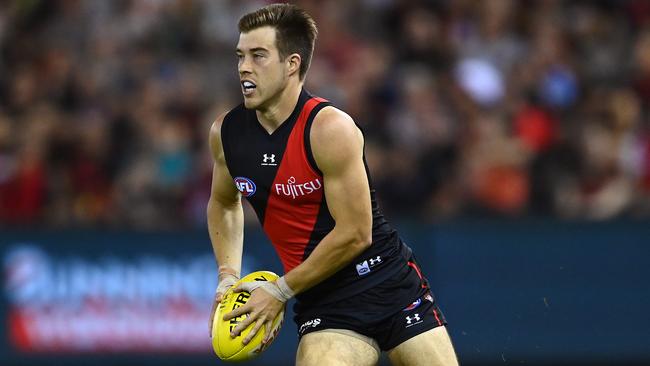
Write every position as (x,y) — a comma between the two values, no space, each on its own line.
(475,108)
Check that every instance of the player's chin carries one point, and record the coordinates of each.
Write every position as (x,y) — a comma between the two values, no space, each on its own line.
(251,102)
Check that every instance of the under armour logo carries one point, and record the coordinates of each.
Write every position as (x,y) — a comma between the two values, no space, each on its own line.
(410,320)
(269,159)
(375,260)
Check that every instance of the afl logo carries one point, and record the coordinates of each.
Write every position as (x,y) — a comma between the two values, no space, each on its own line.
(245,186)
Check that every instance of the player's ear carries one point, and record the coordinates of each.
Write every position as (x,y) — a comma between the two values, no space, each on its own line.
(293,63)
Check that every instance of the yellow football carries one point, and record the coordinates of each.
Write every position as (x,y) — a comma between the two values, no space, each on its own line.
(232,349)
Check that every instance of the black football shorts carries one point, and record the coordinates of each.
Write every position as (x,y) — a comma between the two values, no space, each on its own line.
(392,312)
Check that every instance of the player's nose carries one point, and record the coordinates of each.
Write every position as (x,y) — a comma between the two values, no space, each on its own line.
(244,65)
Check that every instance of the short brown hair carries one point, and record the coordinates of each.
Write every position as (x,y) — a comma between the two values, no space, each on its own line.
(295,30)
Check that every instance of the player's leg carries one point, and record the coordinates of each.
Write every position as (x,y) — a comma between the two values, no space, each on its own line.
(334,348)
(431,348)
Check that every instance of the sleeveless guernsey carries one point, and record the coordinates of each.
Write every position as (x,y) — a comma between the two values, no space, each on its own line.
(277,174)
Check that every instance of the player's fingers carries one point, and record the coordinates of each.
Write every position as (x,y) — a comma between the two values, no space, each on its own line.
(249,286)
(237,312)
(253,332)
(267,331)
(243,325)
(246,286)
(212,312)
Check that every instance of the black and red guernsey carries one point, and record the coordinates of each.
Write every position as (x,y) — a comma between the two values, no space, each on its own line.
(277,173)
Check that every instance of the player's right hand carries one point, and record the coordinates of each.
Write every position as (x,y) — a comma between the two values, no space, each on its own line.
(226,280)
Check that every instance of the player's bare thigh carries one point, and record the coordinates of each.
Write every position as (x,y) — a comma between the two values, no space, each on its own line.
(331,347)
(431,348)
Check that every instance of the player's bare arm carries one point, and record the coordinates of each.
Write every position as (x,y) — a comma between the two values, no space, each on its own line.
(225,218)
(337,146)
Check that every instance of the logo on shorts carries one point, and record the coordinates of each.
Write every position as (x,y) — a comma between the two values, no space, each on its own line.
(309,324)
(364,267)
(245,186)
(413,320)
(414,305)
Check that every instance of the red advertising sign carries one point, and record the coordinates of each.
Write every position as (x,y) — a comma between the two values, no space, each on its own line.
(147,303)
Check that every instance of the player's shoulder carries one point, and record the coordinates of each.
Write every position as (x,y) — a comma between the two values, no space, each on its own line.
(335,139)
(223,118)
(331,122)
(218,127)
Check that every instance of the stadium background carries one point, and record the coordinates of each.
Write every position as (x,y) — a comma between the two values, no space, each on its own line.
(509,142)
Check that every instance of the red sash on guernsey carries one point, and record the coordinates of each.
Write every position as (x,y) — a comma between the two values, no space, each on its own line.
(295,197)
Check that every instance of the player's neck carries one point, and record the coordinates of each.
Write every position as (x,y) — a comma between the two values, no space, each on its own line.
(276,113)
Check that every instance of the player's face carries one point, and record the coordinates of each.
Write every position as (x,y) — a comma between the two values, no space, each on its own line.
(262,73)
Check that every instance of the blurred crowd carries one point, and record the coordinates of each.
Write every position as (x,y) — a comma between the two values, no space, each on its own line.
(470,108)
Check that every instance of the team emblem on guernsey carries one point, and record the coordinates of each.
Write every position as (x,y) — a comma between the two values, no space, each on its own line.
(245,186)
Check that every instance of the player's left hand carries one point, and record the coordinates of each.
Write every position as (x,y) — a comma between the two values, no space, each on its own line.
(226,280)
(262,308)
